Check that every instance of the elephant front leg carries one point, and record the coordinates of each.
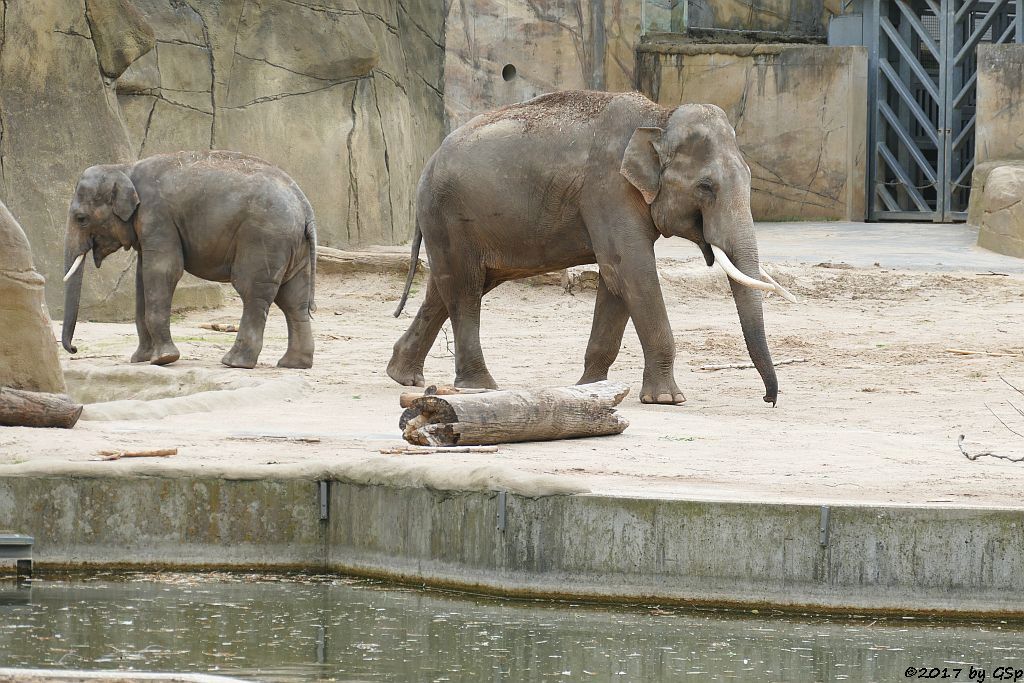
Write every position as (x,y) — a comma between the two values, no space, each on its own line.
(610,318)
(636,280)
(256,300)
(144,352)
(160,276)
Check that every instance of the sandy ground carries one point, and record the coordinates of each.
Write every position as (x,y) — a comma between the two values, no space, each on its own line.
(872,416)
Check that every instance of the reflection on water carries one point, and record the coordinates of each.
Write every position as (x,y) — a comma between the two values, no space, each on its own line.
(302,628)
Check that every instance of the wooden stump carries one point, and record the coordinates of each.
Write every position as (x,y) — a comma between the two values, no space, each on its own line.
(522,415)
(36,409)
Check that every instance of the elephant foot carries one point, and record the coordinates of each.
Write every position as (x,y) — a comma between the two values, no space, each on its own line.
(298,361)
(591,376)
(664,392)
(479,380)
(240,359)
(405,374)
(165,354)
(143,354)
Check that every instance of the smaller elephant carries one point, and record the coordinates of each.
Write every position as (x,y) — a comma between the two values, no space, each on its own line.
(221,216)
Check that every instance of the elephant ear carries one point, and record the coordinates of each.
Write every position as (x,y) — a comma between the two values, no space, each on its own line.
(641,164)
(123,196)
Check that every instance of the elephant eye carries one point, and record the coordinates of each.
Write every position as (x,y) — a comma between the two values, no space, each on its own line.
(706,187)
(82,218)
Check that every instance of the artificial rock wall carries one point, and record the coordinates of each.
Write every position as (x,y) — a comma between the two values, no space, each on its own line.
(345,95)
(997,184)
(505,51)
(800,113)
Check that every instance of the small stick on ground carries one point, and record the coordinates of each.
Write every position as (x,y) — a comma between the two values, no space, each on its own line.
(219,327)
(971,352)
(746,366)
(155,453)
(960,444)
(414,450)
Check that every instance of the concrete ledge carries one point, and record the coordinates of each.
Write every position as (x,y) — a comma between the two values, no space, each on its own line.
(905,560)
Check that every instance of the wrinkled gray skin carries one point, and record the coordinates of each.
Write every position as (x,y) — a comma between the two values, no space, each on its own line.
(221,216)
(573,178)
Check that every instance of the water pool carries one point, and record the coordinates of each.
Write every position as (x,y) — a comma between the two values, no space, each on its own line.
(308,628)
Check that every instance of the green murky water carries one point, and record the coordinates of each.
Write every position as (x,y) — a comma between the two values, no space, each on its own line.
(302,628)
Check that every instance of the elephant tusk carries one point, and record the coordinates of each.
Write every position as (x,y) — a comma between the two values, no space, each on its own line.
(782,291)
(74,266)
(737,275)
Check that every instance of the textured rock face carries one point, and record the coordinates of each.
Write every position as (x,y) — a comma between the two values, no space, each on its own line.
(1000,211)
(800,115)
(28,349)
(791,17)
(342,94)
(505,51)
(119,33)
(999,134)
(57,117)
(345,95)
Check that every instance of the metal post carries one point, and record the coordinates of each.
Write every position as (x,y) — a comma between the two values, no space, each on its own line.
(870,31)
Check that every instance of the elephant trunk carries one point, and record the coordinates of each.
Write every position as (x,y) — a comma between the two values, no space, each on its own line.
(748,305)
(75,248)
(738,255)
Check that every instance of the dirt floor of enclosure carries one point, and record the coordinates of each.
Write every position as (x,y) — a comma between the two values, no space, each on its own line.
(872,416)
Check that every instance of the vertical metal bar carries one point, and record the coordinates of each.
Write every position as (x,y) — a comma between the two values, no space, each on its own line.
(823,525)
(871,31)
(948,48)
(500,520)
(1019,21)
(323,500)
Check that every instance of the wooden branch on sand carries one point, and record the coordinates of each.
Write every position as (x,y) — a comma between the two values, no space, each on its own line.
(972,352)
(156,453)
(522,415)
(36,409)
(745,366)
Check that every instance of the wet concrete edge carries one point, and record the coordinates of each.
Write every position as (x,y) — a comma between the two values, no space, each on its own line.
(939,561)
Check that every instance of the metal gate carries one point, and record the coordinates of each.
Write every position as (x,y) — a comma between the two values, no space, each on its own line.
(921,81)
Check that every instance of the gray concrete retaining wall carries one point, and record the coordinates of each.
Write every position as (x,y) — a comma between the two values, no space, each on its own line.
(896,559)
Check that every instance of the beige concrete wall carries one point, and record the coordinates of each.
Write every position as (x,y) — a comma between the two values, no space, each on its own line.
(553,44)
(800,113)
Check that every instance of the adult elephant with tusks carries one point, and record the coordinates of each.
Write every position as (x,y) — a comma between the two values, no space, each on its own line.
(583,177)
(221,216)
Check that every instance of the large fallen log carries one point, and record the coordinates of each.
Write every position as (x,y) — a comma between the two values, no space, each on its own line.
(337,262)
(36,409)
(521,415)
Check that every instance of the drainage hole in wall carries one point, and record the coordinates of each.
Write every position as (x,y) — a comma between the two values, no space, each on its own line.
(508,72)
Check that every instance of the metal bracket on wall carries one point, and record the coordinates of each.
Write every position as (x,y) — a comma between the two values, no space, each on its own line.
(323,488)
(823,526)
(500,513)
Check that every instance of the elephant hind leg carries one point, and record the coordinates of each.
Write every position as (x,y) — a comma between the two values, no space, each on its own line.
(462,292)
(293,300)
(256,299)
(410,351)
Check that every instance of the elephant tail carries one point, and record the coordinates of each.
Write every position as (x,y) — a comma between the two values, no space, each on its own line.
(414,261)
(311,240)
